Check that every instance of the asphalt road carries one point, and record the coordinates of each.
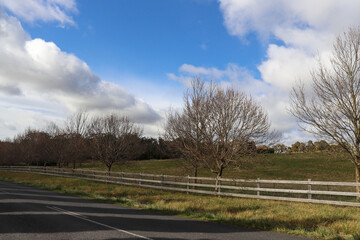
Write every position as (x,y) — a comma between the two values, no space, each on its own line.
(29,213)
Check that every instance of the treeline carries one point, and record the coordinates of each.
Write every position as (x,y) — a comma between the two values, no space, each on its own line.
(310,146)
(107,139)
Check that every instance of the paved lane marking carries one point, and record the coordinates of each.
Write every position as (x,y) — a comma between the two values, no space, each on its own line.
(67,212)
(98,223)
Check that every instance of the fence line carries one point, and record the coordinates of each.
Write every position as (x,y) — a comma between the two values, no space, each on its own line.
(306,191)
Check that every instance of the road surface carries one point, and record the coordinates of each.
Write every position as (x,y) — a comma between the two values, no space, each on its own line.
(30,213)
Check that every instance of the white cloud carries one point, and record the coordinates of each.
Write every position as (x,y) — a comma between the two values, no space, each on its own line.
(39,78)
(232,73)
(304,30)
(286,65)
(266,17)
(42,10)
(214,72)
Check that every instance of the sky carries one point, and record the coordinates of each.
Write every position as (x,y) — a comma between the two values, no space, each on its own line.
(137,57)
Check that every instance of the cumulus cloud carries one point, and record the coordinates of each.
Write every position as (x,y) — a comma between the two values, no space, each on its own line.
(267,17)
(42,10)
(38,76)
(304,32)
(286,65)
(305,29)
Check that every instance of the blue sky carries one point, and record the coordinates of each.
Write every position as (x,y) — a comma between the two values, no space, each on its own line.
(137,57)
(150,38)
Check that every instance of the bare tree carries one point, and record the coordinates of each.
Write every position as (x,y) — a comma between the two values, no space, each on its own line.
(332,111)
(216,125)
(113,138)
(75,130)
(61,144)
(186,129)
(33,146)
(7,153)
(77,123)
(236,120)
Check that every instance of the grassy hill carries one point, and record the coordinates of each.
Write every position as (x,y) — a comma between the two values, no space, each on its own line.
(296,166)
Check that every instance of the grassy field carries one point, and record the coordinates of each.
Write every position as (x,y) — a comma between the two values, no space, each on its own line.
(298,166)
(309,220)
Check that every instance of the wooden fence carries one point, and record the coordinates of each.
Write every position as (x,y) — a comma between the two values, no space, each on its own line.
(336,193)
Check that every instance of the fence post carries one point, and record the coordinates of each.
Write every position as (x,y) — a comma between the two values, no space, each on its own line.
(118,177)
(93,174)
(219,186)
(187,184)
(162,179)
(258,186)
(140,179)
(309,189)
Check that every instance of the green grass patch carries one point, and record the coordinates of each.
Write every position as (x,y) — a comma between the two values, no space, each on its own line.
(309,220)
(296,166)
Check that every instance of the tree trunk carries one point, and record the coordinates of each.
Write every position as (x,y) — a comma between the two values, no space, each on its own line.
(218,176)
(220,172)
(108,169)
(195,172)
(195,175)
(357,178)
(108,173)
(217,182)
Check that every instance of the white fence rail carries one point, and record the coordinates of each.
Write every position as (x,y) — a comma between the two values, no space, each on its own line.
(336,193)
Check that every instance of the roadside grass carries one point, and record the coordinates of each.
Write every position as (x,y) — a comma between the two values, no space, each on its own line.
(309,220)
(296,166)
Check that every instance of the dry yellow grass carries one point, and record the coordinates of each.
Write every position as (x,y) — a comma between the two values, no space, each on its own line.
(309,220)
